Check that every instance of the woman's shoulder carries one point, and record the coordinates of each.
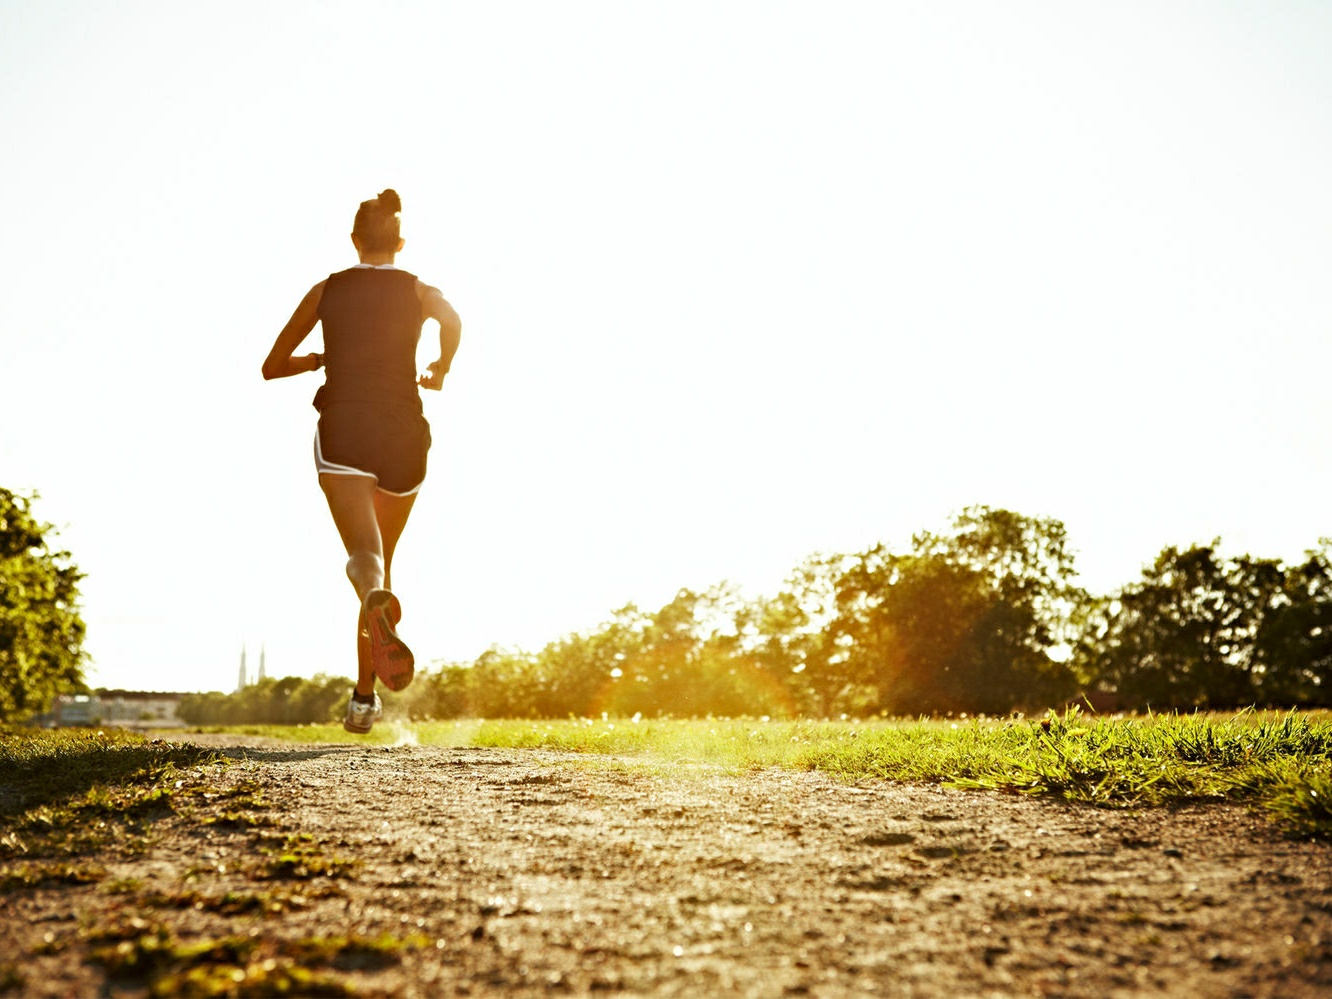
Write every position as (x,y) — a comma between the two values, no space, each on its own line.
(433,302)
(315,294)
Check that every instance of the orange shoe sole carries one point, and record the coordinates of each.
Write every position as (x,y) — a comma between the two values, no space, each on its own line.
(393,662)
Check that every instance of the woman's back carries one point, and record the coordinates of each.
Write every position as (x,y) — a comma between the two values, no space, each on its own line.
(372,321)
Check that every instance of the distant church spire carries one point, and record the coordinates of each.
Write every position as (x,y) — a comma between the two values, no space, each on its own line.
(242,682)
(263,673)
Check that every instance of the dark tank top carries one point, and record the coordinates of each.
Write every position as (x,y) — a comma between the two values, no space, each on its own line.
(372,323)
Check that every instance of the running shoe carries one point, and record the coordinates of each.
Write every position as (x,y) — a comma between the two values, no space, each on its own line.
(361,716)
(393,661)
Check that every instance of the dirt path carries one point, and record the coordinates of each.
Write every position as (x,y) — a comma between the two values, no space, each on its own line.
(491,873)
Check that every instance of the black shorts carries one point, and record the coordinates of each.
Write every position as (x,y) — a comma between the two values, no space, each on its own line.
(387,445)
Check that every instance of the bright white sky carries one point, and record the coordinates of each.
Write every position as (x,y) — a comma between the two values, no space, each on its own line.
(740,281)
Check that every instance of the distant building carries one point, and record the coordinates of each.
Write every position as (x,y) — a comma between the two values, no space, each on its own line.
(139,709)
(243,680)
(76,709)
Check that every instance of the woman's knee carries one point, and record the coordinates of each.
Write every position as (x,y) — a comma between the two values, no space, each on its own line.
(365,568)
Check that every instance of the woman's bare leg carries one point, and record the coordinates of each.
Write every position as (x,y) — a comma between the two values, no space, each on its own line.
(370,523)
(351,500)
(391,513)
(365,664)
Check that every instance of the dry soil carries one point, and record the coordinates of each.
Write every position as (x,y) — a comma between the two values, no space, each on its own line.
(517,873)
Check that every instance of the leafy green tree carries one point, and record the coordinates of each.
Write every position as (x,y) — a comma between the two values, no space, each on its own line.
(203,709)
(786,637)
(977,619)
(1293,644)
(660,675)
(692,657)
(288,701)
(920,647)
(503,684)
(322,698)
(1027,562)
(436,693)
(580,674)
(1186,634)
(41,630)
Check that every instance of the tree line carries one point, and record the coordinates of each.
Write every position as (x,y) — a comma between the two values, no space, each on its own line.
(983,618)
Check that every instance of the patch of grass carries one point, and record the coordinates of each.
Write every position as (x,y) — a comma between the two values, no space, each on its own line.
(1277,760)
(300,857)
(236,820)
(229,903)
(1151,761)
(51,944)
(245,793)
(236,903)
(71,793)
(51,765)
(258,980)
(41,875)
(91,824)
(12,978)
(54,833)
(354,953)
(1302,802)
(141,952)
(130,949)
(239,807)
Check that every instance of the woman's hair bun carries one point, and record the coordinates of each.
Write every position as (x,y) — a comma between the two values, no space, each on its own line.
(377,223)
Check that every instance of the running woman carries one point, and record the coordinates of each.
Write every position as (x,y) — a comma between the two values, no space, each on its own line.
(372,437)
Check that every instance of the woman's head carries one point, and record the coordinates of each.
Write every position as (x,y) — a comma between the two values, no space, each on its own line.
(377,227)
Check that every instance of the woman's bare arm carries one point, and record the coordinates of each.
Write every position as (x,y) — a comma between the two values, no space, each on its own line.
(280,363)
(434,306)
